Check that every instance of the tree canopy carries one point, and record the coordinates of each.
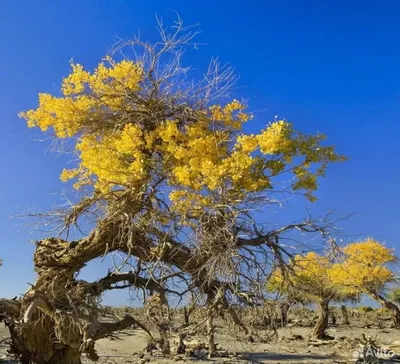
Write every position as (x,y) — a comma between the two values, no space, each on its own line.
(364,268)
(130,136)
(308,276)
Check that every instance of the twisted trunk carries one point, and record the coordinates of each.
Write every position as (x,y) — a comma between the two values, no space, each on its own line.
(41,335)
(394,309)
(321,325)
(56,322)
(32,343)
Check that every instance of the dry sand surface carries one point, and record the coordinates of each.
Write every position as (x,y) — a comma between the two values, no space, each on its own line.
(128,348)
(282,350)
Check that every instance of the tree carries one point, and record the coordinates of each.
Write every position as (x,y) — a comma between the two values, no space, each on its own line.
(364,269)
(309,276)
(285,297)
(166,176)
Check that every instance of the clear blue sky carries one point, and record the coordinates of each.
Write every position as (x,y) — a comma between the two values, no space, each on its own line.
(330,66)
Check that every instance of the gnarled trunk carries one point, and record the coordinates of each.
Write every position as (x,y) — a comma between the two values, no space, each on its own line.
(41,335)
(394,309)
(41,332)
(321,325)
(36,344)
(57,319)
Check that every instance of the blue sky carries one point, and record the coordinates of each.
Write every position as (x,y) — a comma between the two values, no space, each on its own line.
(329,66)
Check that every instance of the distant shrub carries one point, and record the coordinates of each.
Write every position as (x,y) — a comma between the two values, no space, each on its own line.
(383,311)
(366,309)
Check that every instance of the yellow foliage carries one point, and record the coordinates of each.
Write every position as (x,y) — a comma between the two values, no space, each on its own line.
(364,269)
(308,275)
(86,97)
(206,161)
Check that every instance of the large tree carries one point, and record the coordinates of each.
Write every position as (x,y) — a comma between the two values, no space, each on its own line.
(364,268)
(167,176)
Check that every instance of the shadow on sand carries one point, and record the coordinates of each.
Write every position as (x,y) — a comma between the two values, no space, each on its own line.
(268,357)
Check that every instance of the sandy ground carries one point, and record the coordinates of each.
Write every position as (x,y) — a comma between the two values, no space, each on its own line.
(282,350)
(128,348)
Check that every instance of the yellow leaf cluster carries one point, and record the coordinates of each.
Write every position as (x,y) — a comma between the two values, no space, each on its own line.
(204,161)
(85,97)
(364,269)
(308,274)
(232,114)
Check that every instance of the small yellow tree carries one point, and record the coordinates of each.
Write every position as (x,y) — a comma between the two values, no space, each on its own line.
(365,270)
(309,276)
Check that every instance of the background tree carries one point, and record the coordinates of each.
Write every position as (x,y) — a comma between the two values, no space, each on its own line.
(309,276)
(364,269)
(167,177)
(284,297)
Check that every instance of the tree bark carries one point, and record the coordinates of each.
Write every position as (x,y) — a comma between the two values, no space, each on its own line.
(394,309)
(65,356)
(321,325)
(38,340)
(31,345)
(345,316)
